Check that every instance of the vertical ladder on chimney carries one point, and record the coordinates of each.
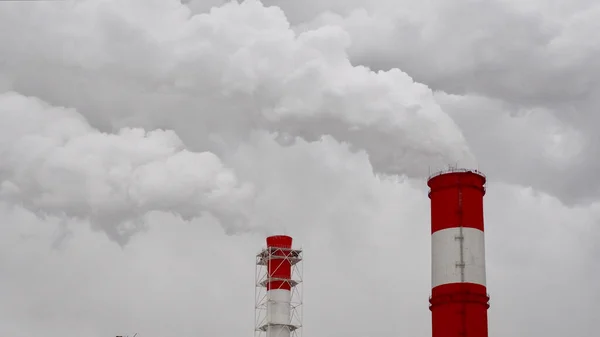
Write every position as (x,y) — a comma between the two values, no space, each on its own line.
(461,263)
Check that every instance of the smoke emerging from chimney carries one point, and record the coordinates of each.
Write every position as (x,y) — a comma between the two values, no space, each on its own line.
(137,69)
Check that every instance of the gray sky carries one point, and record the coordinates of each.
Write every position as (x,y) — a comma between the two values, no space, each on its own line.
(148,147)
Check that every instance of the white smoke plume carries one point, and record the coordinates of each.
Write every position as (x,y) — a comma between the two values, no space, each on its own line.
(55,163)
(237,68)
(131,65)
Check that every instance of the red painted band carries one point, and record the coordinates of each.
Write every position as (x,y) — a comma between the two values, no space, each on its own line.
(459,309)
(456,200)
(279,266)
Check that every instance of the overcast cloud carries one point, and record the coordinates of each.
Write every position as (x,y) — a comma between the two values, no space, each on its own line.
(148,147)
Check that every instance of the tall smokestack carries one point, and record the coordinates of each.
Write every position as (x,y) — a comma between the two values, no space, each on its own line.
(459,300)
(278,289)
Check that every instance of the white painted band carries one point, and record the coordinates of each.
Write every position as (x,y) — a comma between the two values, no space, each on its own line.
(278,312)
(278,331)
(446,256)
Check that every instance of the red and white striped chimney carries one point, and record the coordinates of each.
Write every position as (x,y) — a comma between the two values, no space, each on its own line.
(281,318)
(278,285)
(459,300)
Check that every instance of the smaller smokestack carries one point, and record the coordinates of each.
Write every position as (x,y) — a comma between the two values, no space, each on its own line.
(278,295)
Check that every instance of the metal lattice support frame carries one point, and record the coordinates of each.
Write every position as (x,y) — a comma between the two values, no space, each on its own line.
(263,297)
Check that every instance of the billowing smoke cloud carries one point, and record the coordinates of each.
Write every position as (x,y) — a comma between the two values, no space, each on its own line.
(519,56)
(214,78)
(237,68)
(55,163)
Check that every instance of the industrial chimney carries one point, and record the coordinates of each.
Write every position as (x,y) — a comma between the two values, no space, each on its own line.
(459,300)
(278,289)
